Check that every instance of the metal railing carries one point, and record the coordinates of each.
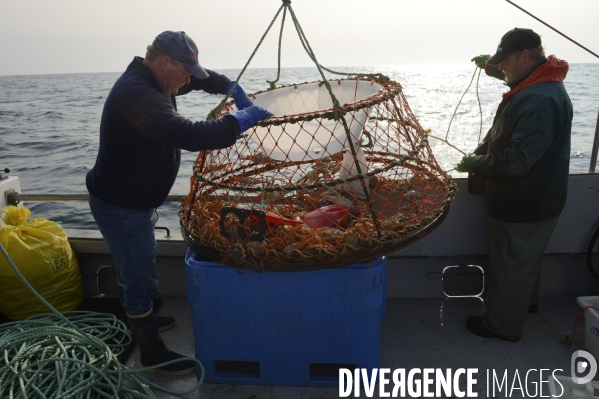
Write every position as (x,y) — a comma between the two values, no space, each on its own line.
(14,198)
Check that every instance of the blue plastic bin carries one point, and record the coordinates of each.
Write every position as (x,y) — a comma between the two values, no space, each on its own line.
(285,328)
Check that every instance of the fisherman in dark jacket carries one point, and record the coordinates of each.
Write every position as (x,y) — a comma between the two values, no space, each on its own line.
(141,137)
(524,160)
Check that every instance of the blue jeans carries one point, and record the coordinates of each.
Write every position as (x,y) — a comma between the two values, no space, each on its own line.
(129,234)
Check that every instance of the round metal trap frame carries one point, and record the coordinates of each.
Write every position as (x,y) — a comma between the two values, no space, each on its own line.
(318,184)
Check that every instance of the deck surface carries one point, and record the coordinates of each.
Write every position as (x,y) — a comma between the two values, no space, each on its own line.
(413,336)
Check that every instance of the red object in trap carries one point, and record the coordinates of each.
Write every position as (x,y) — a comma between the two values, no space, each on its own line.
(330,216)
(276,220)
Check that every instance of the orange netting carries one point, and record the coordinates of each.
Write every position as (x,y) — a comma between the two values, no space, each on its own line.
(315,185)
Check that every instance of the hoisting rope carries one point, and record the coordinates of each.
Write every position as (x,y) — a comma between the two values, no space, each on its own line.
(461,98)
(338,110)
(272,82)
(480,110)
(70,355)
(216,111)
(377,77)
(338,114)
(479,106)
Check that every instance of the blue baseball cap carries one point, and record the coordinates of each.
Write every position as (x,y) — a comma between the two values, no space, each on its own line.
(181,47)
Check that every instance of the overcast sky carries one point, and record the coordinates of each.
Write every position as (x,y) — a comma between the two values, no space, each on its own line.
(67,36)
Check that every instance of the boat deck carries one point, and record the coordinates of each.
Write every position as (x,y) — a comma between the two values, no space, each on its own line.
(413,335)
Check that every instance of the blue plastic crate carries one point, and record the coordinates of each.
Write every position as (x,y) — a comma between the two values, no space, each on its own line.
(285,328)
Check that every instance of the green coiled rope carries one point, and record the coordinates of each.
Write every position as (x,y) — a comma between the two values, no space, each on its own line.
(70,355)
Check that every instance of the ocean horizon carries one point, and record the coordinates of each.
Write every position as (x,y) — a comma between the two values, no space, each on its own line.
(49,123)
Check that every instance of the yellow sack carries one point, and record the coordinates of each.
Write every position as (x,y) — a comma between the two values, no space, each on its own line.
(41,251)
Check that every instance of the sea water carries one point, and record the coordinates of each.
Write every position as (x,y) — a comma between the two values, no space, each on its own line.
(49,123)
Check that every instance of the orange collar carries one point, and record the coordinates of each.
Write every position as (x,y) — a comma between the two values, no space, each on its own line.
(554,70)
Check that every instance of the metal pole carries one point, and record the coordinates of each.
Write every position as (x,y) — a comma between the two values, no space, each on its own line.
(551,27)
(595,148)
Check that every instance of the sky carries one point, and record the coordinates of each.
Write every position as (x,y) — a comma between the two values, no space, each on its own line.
(83,36)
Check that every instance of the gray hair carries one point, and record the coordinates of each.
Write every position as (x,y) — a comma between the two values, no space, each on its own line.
(152,54)
(537,53)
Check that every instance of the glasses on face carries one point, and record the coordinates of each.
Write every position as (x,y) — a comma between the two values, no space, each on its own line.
(180,67)
(506,61)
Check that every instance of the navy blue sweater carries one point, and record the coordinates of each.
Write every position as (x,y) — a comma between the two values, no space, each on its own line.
(141,137)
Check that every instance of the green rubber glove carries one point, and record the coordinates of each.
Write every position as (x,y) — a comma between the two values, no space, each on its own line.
(466,164)
(481,60)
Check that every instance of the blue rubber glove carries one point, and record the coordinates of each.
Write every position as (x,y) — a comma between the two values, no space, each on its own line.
(248,117)
(481,60)
(241,99)
(466,164)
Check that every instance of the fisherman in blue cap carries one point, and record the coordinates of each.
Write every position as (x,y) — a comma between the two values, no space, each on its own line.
(141,137)
(524,161)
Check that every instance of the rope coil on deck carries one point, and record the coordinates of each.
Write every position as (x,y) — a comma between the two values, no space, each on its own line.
(70,355)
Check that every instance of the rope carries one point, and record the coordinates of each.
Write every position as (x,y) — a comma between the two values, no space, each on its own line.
(477,96)
(272,82)
(461,98)
(398,184)
(448,143)
(568,340)
(52,356)
(338,110)
(480,109)
(216,111)
(456,110)
(551,27)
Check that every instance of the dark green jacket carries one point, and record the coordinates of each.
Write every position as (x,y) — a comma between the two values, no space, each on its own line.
(528,150)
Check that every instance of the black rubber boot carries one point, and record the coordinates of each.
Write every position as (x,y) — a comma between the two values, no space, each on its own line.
(152,349)
(164,322)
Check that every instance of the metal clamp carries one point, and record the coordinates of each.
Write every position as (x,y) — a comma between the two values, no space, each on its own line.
(11,197)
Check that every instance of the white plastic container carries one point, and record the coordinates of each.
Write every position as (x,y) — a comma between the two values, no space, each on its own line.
(565,388)
(591,324)
(319,137)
